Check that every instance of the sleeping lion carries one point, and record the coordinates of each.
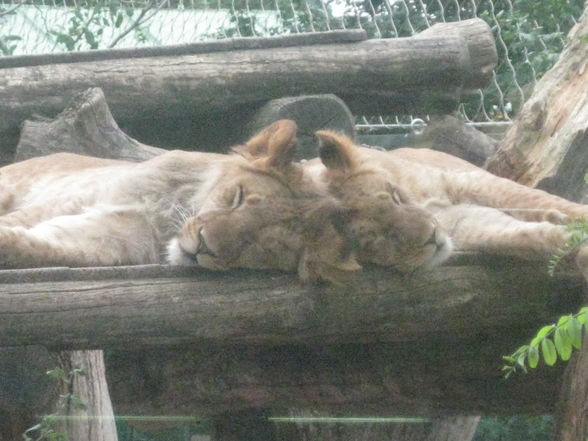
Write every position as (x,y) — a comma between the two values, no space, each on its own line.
(409,208)
(255,209)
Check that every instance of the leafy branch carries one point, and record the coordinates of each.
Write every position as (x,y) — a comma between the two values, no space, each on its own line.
(12,8)
(48,429)
(552,340)
(142,18)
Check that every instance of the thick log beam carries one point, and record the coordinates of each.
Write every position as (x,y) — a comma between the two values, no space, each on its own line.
(202,83)
(153,305)
(432,378)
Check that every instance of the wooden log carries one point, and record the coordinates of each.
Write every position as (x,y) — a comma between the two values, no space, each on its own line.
(311,113)
(93,420)
(430,379)
(183,305)
(85,127)
(145,88)
(450,135)
(545,147)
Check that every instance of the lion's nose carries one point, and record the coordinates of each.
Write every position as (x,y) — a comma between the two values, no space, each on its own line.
(202,247)
(435,238)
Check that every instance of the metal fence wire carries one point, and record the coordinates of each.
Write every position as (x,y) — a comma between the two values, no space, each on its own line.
(529,34)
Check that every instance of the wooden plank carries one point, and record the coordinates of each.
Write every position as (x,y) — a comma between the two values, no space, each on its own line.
(142,89)
(108,307)
(200,47)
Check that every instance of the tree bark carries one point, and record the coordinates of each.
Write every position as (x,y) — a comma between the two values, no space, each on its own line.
(180,305)
(89,414)
(546,147)
(145,88)
(436,378)
(451,135)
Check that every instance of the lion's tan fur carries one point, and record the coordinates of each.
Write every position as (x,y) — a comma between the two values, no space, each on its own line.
(247,210)
(399,197)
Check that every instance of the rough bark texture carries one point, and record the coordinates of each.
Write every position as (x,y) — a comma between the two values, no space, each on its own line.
(436,378)
(94,421)
(403,73)
(451,135)
(546,146)
(572,408)
(86,127)
(185,305)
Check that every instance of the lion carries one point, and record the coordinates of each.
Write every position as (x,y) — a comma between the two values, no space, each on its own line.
(411,207)
(254,209)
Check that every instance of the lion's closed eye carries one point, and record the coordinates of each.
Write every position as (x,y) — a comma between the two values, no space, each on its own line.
(238,197)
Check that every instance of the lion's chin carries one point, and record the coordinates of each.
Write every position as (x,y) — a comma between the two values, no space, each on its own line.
(176,255)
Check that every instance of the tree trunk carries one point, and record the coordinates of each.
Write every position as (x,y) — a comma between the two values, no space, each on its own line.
(88,412)
(451,135)
(546,147)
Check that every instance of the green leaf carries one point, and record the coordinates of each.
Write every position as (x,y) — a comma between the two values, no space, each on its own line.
(119,20)
(563,343)
(57,374)
(545,330)
(533,356)
(574,329)
(549,353)
(563,320)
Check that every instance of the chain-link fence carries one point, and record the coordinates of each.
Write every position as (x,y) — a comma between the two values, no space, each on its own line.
(529,34)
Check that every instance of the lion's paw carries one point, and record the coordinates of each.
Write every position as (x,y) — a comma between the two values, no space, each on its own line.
(557,217)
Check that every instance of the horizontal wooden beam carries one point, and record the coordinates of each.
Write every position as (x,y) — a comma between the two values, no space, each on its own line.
(436,377)
(392,72)
(191,341)
(87,308)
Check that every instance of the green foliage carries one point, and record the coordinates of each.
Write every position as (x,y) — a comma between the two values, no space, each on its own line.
(557,339)
(8,44)
(89,20)
(48,429)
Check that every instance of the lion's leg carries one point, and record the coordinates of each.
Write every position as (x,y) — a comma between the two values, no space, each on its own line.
(489,230)
(492,191)
(95,238)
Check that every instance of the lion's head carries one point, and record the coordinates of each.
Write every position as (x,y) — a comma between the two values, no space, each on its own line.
(260,212)
(386,227)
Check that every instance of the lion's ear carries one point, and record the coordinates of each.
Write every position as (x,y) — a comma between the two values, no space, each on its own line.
(273,146)
(337,151)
